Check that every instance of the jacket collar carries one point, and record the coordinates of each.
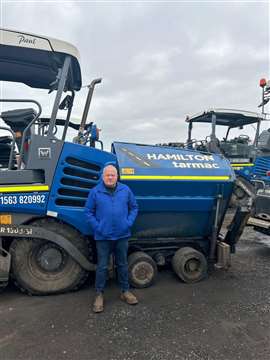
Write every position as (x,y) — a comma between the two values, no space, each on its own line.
(102,188)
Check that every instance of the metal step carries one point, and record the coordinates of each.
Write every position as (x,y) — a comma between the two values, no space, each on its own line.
(258,222)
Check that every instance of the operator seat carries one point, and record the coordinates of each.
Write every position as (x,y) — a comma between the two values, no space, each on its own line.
(18,120)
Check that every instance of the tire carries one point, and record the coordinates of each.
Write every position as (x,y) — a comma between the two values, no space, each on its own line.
(142,270)
(189,264)
(40,267)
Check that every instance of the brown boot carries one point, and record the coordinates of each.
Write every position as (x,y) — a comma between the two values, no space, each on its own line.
(129,298)
(98,304)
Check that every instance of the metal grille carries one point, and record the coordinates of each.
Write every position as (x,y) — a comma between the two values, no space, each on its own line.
(77,179)
(261,166)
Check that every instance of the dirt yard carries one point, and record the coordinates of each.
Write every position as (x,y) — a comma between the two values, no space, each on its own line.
(226,316)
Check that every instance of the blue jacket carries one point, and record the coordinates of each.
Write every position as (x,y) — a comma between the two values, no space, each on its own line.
(111,215)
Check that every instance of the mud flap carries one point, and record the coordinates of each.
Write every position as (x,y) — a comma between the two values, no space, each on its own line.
(5,260)
(237,226)
(223,255)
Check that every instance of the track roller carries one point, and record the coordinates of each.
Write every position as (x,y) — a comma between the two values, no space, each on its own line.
(142,269)
(189,264)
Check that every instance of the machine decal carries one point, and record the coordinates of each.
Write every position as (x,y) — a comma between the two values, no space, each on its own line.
(23,188)
(22,199)
(35,202)
(6,219)
(44,153)
(242,165)
(137,158)
(189,161)
(150,162)
(149,177)
(15,230)
(26,40)
(183,157)
(127,171)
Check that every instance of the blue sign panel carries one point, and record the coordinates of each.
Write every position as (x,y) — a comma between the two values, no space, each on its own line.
(30,202)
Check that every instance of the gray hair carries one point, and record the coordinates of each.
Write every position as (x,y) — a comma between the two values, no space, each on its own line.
(109,166)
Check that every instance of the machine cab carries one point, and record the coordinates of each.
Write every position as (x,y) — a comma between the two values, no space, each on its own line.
(41,63)
(240,149)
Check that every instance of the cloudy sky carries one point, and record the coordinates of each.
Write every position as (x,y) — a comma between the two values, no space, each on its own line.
(159,60)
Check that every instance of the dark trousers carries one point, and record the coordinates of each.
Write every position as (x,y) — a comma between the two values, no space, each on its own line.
(104,249)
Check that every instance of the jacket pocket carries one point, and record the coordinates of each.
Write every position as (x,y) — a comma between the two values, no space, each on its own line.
(103,228)
(124,227)
(100,227)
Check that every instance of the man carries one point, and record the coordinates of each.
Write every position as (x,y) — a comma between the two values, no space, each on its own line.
(111,210)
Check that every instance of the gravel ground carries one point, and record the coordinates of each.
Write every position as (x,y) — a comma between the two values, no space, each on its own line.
(226,316)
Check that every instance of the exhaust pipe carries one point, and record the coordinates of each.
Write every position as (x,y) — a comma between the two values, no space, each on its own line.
(91,88)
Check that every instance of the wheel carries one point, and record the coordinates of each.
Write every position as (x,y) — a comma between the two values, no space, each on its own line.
(189,264)
(41,267)
(142,270)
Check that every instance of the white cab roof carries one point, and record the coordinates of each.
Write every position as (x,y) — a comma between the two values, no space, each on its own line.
(33,41)
(35,60)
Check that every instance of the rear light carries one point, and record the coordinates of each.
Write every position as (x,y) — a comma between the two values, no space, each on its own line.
(262,83)
(26,146)
(268,173)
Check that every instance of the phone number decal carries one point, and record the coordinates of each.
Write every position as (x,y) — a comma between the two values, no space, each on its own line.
(22,199)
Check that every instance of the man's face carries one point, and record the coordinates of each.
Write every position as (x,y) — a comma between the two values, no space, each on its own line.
(110,176)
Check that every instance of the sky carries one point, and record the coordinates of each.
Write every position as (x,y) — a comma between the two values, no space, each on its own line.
(159,60)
